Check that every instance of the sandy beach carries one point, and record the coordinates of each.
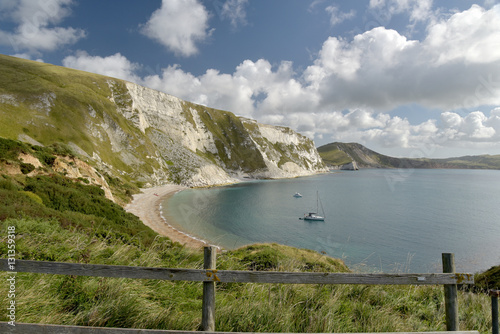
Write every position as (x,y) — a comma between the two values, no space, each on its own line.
(146,206)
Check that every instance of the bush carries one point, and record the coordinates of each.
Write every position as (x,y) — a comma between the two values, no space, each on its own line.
(33,196)
(264,259)
(46,158)
(27,168)
(8,185)
(10,149)
(490,279)
(73,205)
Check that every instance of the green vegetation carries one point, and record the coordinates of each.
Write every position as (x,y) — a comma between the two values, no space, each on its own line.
(234,145)
(333,156)
(53,104)
(337,154)
(57,219)
(94,301)
(10,151)
(72,205)
(490,279)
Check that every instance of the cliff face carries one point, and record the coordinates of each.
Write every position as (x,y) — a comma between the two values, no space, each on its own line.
(144,135)
(205,146)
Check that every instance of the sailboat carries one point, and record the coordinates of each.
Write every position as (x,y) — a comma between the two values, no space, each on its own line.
(314,215)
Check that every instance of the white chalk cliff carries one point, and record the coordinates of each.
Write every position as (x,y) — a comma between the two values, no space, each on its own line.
(207,147)
(144,136)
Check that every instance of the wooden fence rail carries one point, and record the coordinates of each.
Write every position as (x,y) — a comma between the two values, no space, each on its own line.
(22,328)
(209,276)
(234,276)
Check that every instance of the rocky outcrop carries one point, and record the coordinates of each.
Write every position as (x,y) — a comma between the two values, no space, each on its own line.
(350,166)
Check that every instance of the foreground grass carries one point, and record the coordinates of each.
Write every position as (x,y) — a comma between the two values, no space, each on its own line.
(94,301)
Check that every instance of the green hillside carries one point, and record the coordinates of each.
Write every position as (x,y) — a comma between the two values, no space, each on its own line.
(52,104)
(338,154)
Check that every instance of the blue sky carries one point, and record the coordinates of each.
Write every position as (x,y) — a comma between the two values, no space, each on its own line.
(403,77)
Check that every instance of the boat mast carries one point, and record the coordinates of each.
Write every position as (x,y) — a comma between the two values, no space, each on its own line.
(317,201)
(317,206)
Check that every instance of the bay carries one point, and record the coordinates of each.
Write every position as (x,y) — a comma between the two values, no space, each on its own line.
(384,220)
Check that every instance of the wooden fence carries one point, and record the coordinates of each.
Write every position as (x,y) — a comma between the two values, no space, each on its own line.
(209,275)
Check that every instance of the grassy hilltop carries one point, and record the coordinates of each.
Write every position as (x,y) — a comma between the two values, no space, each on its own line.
(338,154)
(61,219)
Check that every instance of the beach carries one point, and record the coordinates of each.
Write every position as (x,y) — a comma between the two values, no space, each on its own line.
(146,206)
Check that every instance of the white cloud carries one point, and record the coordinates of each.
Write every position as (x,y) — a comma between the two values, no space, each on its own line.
(36,30)
(116,66)
(472,36)
(336,16)
(179,25)
(27,56)
(474,126)
(234,10)
(417,10)
(455,66)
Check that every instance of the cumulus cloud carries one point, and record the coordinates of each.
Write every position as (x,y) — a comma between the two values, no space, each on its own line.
(36,28)
(455,66)
(179,25)
(116,66)
(474,126)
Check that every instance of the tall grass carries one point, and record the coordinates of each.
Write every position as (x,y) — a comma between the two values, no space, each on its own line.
(96,301)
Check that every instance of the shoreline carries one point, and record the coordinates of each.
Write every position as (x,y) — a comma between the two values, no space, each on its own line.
(147,206)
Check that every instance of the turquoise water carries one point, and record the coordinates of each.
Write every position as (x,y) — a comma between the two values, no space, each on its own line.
(376,220)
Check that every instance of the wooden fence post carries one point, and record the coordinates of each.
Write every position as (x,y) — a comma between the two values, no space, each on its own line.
(208,306)
(450,294)
(494,310)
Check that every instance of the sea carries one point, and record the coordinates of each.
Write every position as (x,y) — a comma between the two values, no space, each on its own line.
(376,220)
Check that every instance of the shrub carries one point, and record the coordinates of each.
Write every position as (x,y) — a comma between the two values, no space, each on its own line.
(263,259)
(490,279)
(27,168)
(8,185)
(33,196)
(46,158)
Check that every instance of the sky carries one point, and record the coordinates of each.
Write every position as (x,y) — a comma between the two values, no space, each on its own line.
(406,78)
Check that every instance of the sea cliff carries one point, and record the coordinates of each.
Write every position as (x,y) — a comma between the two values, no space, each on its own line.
(142,135)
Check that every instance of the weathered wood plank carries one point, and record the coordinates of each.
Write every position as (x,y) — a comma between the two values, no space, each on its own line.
(79,269)
(341,278)
(233,276)
(208,305)
(22,328)
(494,311)
(450,294)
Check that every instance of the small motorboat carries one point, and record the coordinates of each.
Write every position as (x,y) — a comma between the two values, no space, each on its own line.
(297,195)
